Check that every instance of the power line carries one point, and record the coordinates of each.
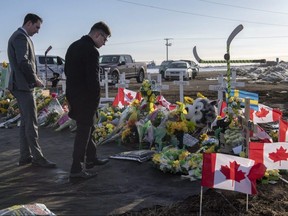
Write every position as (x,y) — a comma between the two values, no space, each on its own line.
(247,8)
(142,41)
(188,38)
(200,38)
(221,38)
(196,14)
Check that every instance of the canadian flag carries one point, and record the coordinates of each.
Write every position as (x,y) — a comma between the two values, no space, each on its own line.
(265,114)
(125,97)
(261,134)
(230,172)
(272,155)
(283,131)
(223,105)
(163,102)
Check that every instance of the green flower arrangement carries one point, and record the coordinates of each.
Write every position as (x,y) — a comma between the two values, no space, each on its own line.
(208,144)
(180,161)
(108,114)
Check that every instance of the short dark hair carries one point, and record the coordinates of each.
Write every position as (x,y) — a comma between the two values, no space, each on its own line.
(101,26)
(32,17)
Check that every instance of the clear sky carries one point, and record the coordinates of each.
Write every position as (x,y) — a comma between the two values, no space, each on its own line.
(139,27)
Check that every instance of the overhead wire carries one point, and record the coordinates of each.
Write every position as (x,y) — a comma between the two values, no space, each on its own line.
(242,7)
(197,14)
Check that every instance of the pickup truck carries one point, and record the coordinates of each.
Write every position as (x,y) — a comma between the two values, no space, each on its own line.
(119,63)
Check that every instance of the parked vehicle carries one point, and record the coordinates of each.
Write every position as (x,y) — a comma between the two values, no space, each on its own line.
(163,66)
(166,64)
(194,66)
(176,67)
(119,63)
(55,66)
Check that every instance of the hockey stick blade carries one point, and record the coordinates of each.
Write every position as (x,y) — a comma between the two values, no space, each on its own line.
(233,34)
(196,55)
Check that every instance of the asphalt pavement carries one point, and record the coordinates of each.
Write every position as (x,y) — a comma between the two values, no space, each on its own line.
(120,186)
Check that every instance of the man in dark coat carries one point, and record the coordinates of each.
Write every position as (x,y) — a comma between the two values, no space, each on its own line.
(83,95)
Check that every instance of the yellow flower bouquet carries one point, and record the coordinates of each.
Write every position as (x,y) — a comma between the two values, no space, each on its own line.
(102,131)
(149,93)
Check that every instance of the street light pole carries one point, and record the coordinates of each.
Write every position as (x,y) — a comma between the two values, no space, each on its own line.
(167,44)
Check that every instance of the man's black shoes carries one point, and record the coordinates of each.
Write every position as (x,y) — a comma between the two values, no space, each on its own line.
(83,175)
(25,162)
(43,163)
(96,162)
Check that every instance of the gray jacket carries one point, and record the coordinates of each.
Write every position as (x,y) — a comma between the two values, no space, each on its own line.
(22,62)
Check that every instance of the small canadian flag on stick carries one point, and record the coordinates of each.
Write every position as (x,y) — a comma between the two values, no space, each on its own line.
(125,97)
(283,131)
(231,172)
(272,155)
(265,114)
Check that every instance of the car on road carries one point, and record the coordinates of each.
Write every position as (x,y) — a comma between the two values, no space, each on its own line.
(194,66)
(163,66)
(175,68)
(166,64)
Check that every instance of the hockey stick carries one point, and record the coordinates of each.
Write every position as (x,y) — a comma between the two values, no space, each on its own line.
(227,58)
(198,59)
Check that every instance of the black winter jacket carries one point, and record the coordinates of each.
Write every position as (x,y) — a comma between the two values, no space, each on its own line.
(82,80)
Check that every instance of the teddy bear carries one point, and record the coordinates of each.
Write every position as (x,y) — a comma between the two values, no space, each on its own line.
(202,112)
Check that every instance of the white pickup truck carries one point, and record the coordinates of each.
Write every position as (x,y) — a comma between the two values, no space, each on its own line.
(50,68)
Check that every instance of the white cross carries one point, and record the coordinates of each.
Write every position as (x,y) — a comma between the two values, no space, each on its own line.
(181,84)
(105,82)
(234,83)
(122,81)
(158,84)
(63,82)
(221,87)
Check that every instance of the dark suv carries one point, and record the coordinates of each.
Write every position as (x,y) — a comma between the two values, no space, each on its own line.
(165,64)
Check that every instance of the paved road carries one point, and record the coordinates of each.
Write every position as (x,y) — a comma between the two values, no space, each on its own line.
(120,186)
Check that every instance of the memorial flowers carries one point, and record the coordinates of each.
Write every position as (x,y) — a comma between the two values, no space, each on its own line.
(5,102)
(149,92)
(175,160)
(270,176)
(177,124)
(4,64)
(102,130)
(208,144)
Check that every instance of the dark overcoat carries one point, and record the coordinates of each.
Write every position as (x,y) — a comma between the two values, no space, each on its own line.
(82,80)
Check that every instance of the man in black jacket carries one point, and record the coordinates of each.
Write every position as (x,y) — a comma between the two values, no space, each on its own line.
(83,95)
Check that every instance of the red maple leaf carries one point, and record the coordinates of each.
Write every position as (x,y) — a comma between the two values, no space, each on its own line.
(279,155)
(129,95)
(262,113)
(232,172)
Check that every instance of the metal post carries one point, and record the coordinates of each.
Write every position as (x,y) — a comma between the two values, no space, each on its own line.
(167,44)
(46,66)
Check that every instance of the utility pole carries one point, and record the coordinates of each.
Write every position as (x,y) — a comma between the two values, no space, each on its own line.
(167,44)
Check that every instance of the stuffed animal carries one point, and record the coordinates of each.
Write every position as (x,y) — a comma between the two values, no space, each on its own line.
(202,112)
